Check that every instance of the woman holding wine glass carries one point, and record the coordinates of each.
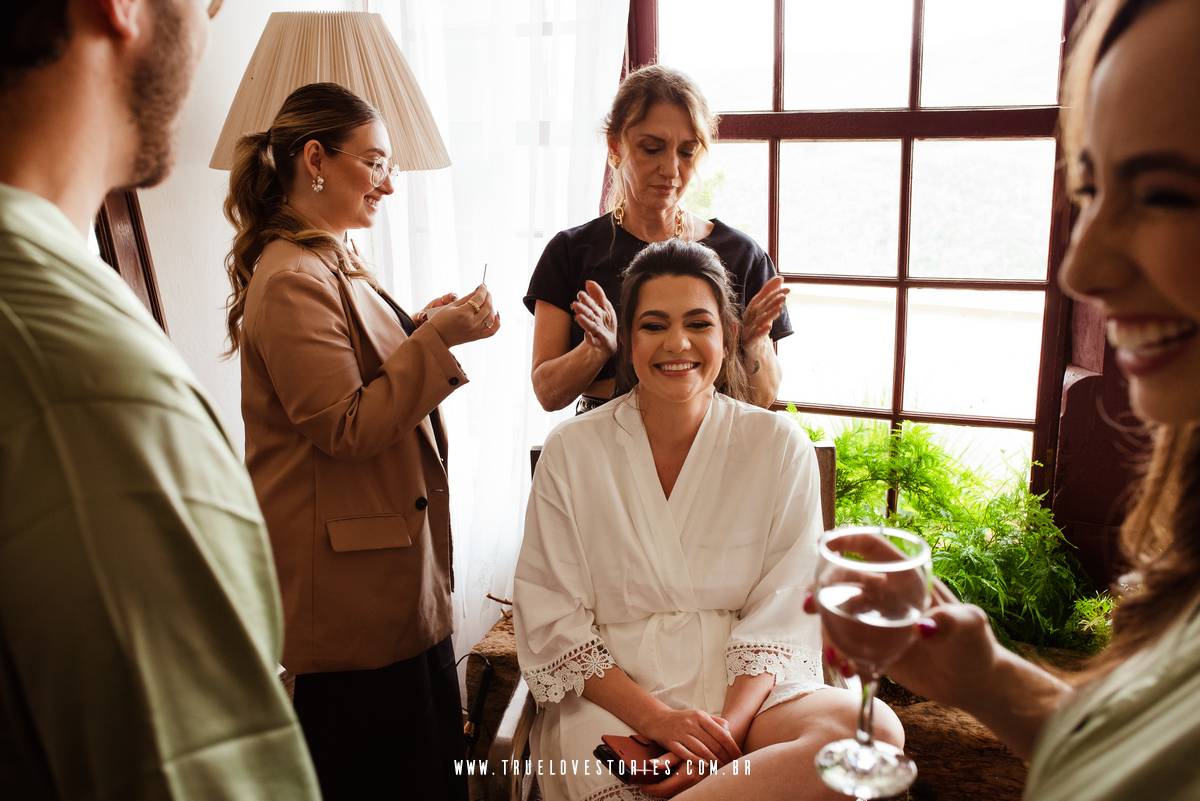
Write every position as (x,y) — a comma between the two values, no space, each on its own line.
(872,585)
(1129,726)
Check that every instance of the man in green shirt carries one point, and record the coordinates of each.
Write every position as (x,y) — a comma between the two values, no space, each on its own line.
(140,623)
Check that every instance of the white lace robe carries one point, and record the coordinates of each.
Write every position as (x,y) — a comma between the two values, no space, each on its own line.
(684,594)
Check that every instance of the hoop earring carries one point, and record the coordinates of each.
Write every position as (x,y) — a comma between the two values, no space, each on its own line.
(318,183)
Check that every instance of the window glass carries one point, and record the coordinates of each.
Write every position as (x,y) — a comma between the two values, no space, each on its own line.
(981,208)
(848,54)
(730,182)
(839,207)
(999,456)
(989,53)
(973,352)
(841,351)
(726,48)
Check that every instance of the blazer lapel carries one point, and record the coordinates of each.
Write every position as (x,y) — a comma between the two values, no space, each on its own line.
(431,425)
(378,318)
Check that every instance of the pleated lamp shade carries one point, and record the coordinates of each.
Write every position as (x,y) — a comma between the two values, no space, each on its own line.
(350,48)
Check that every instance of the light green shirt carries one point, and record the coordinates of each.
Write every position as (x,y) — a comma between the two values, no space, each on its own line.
(140,623)
(1134,735)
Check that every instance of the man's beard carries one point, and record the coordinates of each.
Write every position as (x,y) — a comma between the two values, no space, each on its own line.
(157,87)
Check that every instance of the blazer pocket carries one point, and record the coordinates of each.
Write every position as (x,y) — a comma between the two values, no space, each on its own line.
(368,533)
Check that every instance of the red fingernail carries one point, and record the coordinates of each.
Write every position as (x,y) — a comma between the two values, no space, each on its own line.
(927,629)
(808,605)
(846,670)
(830,655)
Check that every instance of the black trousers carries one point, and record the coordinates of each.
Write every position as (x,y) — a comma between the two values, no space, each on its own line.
(390,733)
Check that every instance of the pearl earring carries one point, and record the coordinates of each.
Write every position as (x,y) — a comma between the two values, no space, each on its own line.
(318,183)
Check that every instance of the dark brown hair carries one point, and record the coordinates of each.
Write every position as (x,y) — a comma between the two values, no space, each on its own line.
(264,167)
(692,260)
(34,34)
(1160,538)
(639,91)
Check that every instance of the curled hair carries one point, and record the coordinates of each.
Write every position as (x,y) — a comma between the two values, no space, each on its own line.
(692,260)
(1160,538)
(264,167)
(642,89)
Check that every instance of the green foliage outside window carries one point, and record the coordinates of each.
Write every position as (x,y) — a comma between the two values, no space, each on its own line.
(995,546)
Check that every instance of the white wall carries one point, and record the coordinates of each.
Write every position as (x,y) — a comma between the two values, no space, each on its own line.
(189,237)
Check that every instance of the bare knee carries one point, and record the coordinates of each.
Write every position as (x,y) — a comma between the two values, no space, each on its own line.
(842,721)
(887,726)
(821,718)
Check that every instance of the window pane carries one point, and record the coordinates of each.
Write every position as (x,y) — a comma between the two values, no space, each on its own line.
(981,209)
(830,426)
(1000,456)
(731,183)
(839,207)
(841,351)
(988,53)
(973,352)
(849,54)
(727,48)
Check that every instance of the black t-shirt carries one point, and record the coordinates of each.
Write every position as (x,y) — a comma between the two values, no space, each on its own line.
(600,251)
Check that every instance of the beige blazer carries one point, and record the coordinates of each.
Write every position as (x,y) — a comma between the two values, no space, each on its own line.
(347,462)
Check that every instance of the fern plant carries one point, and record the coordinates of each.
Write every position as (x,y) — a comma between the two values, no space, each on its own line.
(996,547)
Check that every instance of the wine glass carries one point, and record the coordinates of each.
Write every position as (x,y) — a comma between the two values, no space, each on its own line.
(873,585)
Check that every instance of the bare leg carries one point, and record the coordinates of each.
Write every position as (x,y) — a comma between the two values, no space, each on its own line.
(782,743)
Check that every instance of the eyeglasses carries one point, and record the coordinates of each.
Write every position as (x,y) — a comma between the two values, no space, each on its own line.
(381,168)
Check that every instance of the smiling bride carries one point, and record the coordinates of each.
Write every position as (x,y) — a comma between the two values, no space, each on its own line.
(669,541)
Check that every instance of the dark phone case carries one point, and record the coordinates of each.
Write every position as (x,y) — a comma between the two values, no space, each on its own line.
(636,754)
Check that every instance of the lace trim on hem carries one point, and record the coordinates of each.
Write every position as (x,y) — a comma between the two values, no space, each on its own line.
(617,792)
(781,660)
(549,684)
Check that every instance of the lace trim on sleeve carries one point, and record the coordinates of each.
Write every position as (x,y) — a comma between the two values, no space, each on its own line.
(785,662)
(617,792)
(548,684)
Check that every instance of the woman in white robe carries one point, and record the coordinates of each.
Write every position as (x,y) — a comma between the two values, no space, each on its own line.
(670,539)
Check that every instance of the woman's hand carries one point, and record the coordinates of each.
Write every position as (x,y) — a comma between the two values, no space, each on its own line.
(951,658)
(694,735)
(763,310)
(468,319)
(596,316)
(432,306)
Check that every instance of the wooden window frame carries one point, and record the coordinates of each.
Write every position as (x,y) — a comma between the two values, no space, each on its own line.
(907,125)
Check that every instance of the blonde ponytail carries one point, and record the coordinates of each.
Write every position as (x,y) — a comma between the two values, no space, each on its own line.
(264,165)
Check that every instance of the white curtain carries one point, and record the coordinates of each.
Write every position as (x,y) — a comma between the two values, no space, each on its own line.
(519,89)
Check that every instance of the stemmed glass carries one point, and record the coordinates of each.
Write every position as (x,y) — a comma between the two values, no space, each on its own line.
(873,585)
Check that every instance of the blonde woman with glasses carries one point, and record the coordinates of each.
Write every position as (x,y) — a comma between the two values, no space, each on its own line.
(340,394)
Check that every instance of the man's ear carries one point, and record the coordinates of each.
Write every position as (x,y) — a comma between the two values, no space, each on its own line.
(122,17)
